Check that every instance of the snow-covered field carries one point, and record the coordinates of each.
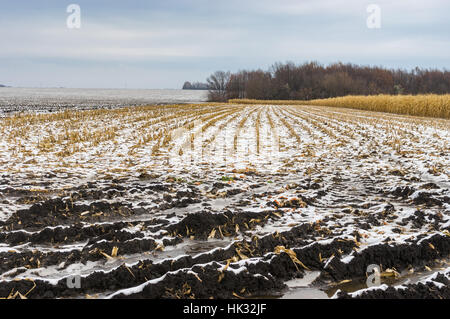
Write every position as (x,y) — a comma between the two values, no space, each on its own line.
(56,99)
(220,200)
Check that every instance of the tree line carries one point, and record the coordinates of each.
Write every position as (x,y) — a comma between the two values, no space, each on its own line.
(311,80)
(195,86)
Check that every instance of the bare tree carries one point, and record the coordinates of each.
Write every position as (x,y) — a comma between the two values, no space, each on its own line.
(218,83)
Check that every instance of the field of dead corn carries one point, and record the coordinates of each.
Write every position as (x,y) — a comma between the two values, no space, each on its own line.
(428,105)
(223,201)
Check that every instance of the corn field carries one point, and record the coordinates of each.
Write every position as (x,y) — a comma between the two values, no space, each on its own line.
(224,200)
(431,105)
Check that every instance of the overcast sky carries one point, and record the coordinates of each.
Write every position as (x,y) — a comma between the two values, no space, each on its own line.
(161,44)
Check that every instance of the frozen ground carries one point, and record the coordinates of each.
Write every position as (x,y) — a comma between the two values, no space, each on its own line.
(222,201)
(56,99)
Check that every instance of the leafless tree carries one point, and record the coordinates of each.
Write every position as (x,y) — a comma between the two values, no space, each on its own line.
(218,83)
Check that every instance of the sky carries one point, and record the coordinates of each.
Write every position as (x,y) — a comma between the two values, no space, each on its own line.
(161,44)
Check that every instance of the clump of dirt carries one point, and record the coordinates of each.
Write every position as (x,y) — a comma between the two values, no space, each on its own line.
(57,211)
(91,252)
(403,192)
(437,288)
(418,219)
(429,186)
(419,253)
(428,199)
(80,232)
(206,224)
(213,280)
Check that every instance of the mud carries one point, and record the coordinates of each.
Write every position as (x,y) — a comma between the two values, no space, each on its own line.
(400,257)
(437,287)
(341,198)
(253,264)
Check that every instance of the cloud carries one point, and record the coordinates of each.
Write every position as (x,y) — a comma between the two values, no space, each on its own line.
(96,41)
(200,36)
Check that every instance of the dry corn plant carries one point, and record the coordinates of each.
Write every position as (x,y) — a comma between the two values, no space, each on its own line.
(429,105)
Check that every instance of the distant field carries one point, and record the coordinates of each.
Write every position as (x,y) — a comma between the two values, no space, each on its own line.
(419,105)
(223,201)
(58,99)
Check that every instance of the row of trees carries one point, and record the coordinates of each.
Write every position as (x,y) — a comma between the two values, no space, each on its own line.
(195,86)
(312,80)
